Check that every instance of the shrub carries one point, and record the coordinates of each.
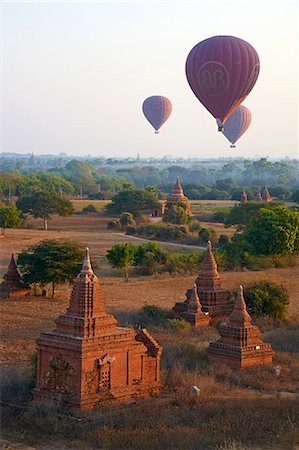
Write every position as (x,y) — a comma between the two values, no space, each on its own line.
(175,213)
(194,225)
(266,299)
(207,234)
(89,209)
(126,219)
(154,313)
(113,224)
(183,263)
(178,324)
(223,240)
(220,215)
(149,256)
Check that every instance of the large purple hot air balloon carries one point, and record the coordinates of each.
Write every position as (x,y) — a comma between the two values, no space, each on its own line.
(157,109)
(221,72)
(236,124)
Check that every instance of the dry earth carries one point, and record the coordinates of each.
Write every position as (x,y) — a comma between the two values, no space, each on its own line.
(22,320)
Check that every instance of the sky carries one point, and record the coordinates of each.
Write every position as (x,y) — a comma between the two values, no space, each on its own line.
(75,74)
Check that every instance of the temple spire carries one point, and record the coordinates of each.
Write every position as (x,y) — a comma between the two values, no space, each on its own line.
(86,267)
(240,316)
(208,276)
(244,198)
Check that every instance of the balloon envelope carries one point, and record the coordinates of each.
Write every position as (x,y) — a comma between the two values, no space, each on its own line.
(157,109)
(221,72)
(236,124)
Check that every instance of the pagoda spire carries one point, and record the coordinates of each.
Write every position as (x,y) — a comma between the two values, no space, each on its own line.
(239,315)
(258,197)
(208,276)
(194,303)
(86,267)
(244,198)
(267,197)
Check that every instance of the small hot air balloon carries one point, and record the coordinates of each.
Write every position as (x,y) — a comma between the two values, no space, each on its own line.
(221,72)
(236,124)
(157,109)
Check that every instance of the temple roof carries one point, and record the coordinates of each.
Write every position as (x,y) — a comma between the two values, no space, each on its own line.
(194,303)
(12,275)
(266,195)
(258,196)
(86,297)
(244,197)
(239,316)
(208,276)
(177,193)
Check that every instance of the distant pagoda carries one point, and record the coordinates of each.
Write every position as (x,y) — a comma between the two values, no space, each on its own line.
(12,285)
(214,300)
(177,195)
(88,359)
(258,196)
(240,345)
(266,195)
(244,198)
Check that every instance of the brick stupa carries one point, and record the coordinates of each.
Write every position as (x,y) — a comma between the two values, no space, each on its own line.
(88,359)
(193,310)
(214,300)
(12,286)
(244,198)
(240,345)
(266,195)
(258,196)
(177,195)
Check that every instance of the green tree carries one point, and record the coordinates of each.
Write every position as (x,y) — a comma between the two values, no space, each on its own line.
(207,234)
(133,201)
(274,232)
(295,196)
(89,209)
(121,256)
(176,213)
(266,299)
(149,256)
(51,261)
(9,218)
(45,204)
(241,215)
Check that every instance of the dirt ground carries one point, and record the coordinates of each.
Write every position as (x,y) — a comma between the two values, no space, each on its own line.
(22,320)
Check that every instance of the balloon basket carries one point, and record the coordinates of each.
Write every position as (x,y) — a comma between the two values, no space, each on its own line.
(232,146)
(156,132)
(220,128)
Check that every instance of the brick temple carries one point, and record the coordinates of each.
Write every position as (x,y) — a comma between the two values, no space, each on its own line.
(240,345)
(215,300)
(12,286)
(266,195)
(258,196)
(88,359)
(177,195)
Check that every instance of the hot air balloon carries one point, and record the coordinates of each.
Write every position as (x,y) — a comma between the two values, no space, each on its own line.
(221,72)
(236,124)
(157,109)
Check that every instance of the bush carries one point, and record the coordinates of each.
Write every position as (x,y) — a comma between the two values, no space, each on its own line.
(154,314)
(89,209)
(266,299)
(207,234)
(194,225)
(183,263)
(220,215)
(223,240)
(163,231)
(113,224)
(176,213)
(126,219)
(178,324)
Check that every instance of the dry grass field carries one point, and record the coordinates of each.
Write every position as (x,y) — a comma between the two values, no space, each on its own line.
(255,407)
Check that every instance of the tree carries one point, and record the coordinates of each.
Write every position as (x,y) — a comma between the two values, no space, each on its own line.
(9,218)
(274,232)
(133,201)
(266,299)
(121,256)
(89,209)
(241,215)
(44,204)
(149,256)
(295,196)
(176,213)
(207,234)
(51,261)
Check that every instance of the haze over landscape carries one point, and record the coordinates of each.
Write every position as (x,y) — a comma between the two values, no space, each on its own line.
(75,75)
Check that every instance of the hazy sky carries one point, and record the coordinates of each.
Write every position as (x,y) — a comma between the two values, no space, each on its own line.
(75,74)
